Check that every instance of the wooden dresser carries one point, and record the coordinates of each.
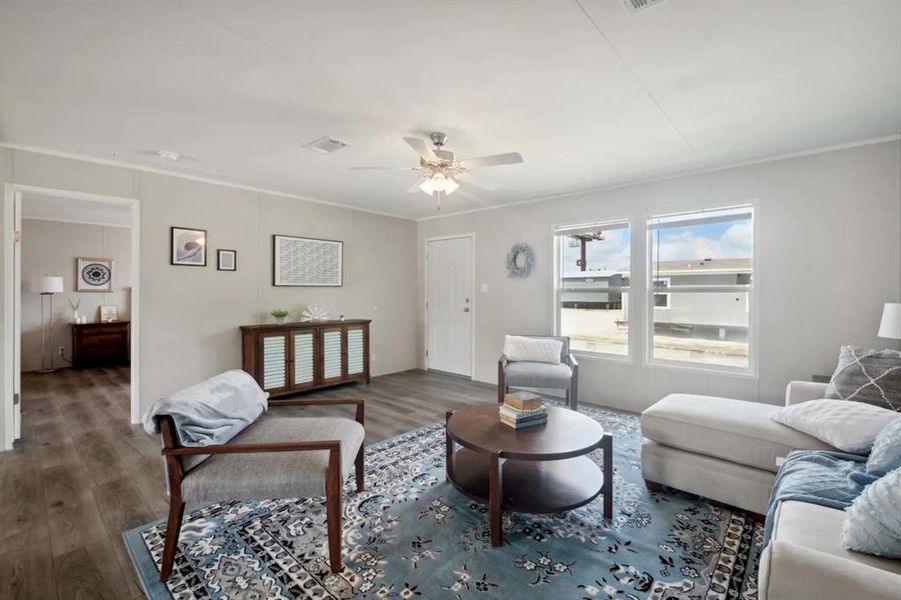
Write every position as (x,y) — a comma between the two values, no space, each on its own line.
(100,344)
(296,357)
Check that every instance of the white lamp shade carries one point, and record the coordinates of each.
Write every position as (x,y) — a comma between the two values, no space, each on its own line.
(890,326)
(46,285)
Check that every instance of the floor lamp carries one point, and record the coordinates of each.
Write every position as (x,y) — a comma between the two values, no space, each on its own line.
(47,286)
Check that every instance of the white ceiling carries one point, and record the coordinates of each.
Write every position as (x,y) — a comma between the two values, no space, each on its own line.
(52,208)
(589,93)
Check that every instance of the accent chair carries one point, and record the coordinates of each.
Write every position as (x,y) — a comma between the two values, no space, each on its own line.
(563,375)
(273,457)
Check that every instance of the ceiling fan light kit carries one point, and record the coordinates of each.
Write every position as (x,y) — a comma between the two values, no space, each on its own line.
(442,168)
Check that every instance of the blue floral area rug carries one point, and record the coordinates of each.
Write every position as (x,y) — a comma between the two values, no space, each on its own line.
(412,535)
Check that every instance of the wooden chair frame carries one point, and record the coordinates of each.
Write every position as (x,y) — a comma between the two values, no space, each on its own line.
(174,452)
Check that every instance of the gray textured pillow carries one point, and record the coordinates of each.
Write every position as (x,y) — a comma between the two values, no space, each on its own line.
(871,376)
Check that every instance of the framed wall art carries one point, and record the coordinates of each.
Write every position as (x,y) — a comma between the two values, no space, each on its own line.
(94,274)
(226,260)
(298,261)
(188,246)
(109,313)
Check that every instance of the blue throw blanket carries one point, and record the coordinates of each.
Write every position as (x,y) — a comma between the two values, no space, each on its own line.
(210,412)
(831,479)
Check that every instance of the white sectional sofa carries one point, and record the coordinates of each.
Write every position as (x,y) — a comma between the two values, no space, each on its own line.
(729,450)
(722,448)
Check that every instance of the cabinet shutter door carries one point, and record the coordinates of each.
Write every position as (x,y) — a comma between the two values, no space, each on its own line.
(355,350)
(331,354)
(274,362)
(303,358)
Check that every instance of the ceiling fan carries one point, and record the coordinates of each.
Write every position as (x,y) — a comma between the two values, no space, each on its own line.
(444,173)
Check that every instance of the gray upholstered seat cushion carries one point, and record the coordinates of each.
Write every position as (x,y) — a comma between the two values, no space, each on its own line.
(536,374)
(295,474)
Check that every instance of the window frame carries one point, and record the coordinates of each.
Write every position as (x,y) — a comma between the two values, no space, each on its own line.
(751,303)
(629,356)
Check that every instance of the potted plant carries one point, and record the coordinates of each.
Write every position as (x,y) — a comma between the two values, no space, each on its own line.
(279,315)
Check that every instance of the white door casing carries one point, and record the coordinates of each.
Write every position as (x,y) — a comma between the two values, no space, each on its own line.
(11,302)
(17,316)
(449,304)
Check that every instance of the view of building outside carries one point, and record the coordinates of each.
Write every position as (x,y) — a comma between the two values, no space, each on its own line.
(594,296)
(702,260)
(708,254)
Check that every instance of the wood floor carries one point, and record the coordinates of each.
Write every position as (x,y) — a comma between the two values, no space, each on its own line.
(81,474)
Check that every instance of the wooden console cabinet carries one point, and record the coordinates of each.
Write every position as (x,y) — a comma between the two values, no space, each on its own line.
(100,344)
(296,357)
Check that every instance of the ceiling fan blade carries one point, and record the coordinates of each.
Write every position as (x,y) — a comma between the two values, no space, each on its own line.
(422,148)
(465,180)
(510,158)
(385,168)
(415,187)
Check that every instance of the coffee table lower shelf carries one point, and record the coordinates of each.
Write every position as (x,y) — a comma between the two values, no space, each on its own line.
(529,486)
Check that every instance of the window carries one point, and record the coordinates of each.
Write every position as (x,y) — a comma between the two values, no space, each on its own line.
(593,286)
(704,262)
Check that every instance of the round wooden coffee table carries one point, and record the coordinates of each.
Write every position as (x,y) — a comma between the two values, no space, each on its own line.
(541,469)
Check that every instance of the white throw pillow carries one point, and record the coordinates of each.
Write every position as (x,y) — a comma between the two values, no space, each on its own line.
(849,426)
(521,348)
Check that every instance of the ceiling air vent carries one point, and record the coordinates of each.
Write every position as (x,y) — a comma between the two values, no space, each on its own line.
(635,6)
(325,145)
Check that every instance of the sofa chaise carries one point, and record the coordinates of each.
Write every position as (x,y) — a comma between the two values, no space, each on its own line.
(729,450)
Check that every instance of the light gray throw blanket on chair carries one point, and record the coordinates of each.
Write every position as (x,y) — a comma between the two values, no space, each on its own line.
(210,412)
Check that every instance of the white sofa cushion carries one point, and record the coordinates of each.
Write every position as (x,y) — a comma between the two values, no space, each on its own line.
(820,528)
(734,430)
(522,348)
(849,426)
(792,572)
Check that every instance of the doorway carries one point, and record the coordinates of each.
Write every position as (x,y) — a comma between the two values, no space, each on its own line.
(71,300)
(450,304)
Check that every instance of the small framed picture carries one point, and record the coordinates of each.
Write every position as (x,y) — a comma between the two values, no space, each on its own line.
(226,260)
(94,274)
(188,246)
(109,313)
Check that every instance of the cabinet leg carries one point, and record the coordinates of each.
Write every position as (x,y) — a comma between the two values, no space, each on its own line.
(494,498)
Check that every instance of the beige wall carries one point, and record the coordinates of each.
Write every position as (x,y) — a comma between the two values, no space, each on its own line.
(828,255)
(51,248)
(189,316)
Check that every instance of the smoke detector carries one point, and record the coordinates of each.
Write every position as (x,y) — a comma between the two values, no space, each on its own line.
(326,145)
(635,6)
(168,155)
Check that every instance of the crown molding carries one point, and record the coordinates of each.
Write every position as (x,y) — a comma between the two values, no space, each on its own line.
(212,180)
(569,194)
(636,182)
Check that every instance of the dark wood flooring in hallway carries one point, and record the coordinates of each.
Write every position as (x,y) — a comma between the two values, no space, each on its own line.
(81,474)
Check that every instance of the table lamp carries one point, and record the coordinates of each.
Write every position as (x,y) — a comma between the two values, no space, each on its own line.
(890,325)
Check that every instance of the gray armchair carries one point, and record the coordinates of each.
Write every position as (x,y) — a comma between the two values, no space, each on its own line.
(562,376)
(274,457)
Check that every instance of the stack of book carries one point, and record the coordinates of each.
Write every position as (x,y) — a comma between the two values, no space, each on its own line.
(523,409)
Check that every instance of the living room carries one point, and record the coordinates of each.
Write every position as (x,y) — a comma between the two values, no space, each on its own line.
(666,234)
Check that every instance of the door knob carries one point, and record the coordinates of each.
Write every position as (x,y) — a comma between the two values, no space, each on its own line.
(466,309)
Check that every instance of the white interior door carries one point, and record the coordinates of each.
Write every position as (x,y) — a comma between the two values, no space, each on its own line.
(449,305)
(17,317)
